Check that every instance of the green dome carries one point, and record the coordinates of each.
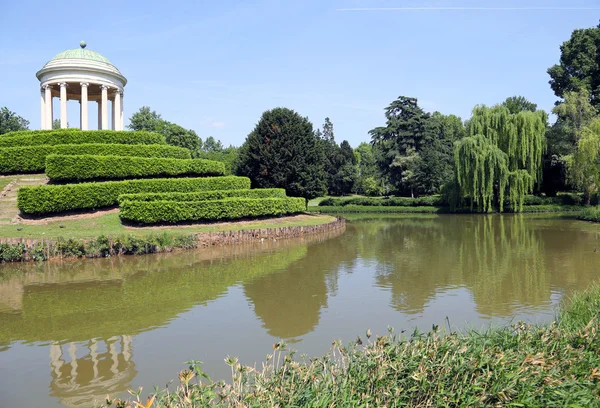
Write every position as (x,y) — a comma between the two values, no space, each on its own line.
(80,53)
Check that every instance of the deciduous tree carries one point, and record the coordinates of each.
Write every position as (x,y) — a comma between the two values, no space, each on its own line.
(11,122)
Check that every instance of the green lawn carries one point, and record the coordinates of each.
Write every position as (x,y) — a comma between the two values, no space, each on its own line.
(110,224)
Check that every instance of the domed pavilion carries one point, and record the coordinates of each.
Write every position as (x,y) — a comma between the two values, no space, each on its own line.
(83,75)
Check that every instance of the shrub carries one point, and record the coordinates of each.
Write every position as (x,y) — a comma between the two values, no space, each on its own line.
(49,199)
(426,201)
(27,159)
(151,212)
(590,214)
(76,136)
(88,167)
(205,195)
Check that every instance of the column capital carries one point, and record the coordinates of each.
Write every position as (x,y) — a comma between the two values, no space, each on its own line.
(61,84)
(47,87)
(84,84)
(104,87)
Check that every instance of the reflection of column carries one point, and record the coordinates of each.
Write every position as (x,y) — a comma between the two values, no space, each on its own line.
(84,106)
(63,105)
(114,354)
(126,347)
(104,106)
(56,361)
(73,357)
(42,110)
(93,347)
(48,98)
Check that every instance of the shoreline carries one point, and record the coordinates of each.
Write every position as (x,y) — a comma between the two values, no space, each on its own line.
(102,246)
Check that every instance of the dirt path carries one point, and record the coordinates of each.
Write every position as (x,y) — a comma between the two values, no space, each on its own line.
(9,213)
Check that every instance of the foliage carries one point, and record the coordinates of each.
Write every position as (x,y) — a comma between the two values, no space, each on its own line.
(414,149)
(51,199)
(11,122)
(76,136)
(213,150)
(591,213)
(348,209)
(516,104)
(282,151)
(368,177)
(502,155)
(379,202)
(339,161)
(205,195)
(583,166)
(579,66)
(175,135)
(29,159)
(89,167)
(152,212)
(56,124)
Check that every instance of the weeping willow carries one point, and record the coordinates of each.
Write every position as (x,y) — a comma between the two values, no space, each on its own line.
(502,156)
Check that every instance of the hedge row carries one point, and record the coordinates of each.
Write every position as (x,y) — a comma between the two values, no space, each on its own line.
(88,167)
(380,209)
(76,136)
(425,201)
(152,212)
(28,159)
(49,199)
(205,195)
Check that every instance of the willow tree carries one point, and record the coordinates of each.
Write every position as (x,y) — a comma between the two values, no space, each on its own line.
(501,156)
(583,169)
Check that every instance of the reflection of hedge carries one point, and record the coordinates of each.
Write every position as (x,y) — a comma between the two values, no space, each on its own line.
(27,159)
(89,167)
(50,199)
(205,195)
(149,212)
(76,136)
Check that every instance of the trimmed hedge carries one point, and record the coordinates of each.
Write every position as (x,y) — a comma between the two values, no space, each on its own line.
(426,201)
(205,195)
(76,136)
(28,159)
(152,212)
(49,199)
(89,167)
(379,209)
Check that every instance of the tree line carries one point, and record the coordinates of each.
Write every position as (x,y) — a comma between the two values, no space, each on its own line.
(489,161)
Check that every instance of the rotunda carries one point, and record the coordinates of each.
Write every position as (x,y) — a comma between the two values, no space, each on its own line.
(83,75)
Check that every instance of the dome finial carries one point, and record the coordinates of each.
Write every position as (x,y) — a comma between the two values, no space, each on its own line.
(82,44)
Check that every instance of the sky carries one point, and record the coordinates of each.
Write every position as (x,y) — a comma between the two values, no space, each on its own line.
(215,66)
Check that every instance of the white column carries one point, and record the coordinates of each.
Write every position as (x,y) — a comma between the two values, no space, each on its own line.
(42,110)
(104,106)
(48,104)
(99,114)
(84,106)
(113,116)
(121,113)
(117,111)
(63,105)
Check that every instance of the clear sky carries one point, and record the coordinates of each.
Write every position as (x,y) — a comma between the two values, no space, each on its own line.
(215,66)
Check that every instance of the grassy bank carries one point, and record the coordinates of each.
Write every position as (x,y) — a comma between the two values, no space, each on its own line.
(433,210)
(520,365)
(590,214)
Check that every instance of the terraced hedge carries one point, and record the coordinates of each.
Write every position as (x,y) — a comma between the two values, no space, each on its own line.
(52,199)
(152,212)
(28,159)
(205,195)
(90,167)
(76,136)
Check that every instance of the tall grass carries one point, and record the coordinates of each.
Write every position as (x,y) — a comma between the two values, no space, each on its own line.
(590,214)
(520,365)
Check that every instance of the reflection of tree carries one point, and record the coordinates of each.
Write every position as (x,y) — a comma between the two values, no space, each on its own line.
(289,304)
(111,297)
(79,382)
(506,261)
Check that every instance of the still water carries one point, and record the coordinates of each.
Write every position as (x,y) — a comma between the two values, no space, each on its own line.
(73,331)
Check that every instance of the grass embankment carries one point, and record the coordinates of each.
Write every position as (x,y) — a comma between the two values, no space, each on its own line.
(590,214)
(521,365)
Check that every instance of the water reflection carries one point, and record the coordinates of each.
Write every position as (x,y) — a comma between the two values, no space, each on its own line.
(75,324)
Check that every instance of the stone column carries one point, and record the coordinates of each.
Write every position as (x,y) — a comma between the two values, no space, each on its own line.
(63,105)
(113,116)
(48,104)
(43,109)
(117,111)
(99,114)
(121,113)
(104,106)
(84,106)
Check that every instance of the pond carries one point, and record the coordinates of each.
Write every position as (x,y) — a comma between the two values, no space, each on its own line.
(73,331)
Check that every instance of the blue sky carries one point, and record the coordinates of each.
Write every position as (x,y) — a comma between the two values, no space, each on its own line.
(215,66)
